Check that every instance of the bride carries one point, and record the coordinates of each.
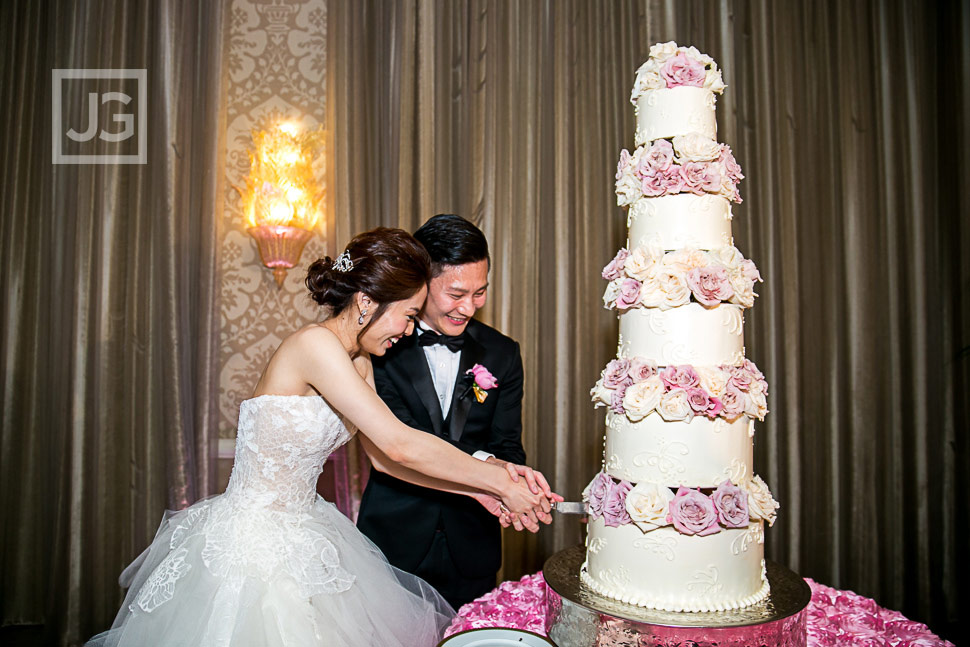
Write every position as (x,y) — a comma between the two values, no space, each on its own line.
(269,562)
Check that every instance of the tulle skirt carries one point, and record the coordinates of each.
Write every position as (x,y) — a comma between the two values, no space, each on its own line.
(221,574)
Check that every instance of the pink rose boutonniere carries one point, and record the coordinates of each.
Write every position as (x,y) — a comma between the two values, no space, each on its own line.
(484,381)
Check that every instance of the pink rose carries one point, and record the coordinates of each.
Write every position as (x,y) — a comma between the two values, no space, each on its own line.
(698,177)
(698,399)
(730,165)
(715,407)
(642,369)
(752,368)
(710,285)
(740,377)
(596,493)
(653,184)
(614,508)
(681,70)
(673,182)
(682,377)
(658,157)
(692,513)
(731,503)
(629,295)
(711,177)
(483,378)
(614,269)
(617,373)
(702,403)
(616,399)
(624,162)
(733,402)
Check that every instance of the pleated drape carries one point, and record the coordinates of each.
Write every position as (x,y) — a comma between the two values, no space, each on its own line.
(846,119)
(850,122)
(109,327)
(512,115)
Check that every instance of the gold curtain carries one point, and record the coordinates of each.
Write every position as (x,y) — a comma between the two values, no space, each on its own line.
(846,118)
(109,330)
(513,114)
(849,118)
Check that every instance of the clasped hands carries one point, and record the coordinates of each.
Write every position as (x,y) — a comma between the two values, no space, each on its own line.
(525,502)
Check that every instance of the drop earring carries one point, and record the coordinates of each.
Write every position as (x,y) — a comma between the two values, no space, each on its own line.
(360,319)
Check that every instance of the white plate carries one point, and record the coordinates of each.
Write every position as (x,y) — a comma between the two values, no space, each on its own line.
(496,637)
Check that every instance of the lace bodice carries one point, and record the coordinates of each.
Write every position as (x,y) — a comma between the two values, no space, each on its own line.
(282,443)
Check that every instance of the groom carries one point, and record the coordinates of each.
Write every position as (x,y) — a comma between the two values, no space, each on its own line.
(449,540)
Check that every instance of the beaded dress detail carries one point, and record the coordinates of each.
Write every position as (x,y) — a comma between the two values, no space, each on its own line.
(269,562)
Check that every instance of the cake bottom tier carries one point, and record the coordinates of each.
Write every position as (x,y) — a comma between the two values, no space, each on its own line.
(664,569)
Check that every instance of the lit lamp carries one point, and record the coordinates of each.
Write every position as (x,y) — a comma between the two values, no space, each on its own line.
(282,196)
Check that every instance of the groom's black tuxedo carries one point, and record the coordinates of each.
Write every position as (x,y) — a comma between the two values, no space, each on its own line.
(402,518)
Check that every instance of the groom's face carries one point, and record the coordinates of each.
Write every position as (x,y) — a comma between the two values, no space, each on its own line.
(454,296)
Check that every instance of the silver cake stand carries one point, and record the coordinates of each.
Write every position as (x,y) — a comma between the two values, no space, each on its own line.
(578,617)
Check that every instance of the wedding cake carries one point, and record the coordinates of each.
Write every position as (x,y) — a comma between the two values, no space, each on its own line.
(677,515)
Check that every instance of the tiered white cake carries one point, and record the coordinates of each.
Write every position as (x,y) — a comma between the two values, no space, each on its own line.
(677,515)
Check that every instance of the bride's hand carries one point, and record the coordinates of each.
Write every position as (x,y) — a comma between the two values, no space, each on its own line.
(519,500)
(534,478)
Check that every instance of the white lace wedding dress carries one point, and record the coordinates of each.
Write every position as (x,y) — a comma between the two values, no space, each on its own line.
(269,562)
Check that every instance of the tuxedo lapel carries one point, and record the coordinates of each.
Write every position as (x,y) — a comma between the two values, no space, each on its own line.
(462,397)
(415,367)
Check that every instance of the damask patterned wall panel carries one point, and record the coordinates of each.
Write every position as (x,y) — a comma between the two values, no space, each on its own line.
(277,69)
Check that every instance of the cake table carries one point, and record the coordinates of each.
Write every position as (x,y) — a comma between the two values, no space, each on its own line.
(833,618)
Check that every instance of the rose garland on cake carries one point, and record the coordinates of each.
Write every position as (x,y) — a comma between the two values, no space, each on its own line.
(670,66)
(688,163)
(691,512)
(649,278)
(637,387)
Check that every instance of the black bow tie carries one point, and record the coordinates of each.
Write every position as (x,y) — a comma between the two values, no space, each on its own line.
(431,338)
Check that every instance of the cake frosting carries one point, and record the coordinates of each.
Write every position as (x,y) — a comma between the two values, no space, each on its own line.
(677,513)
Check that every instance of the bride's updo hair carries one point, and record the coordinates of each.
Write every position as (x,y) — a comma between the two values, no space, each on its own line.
(385,264)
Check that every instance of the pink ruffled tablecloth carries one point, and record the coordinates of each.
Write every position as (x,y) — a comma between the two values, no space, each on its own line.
(835,618)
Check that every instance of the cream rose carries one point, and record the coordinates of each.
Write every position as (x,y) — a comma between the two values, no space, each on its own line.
(761,505)
(713,80)
(695,147)
(757,402)
(600,394)
(697,55)
(678,261)
(627,190)
(642,398)
(648,78)
(648,505)
(651,294)
(675,289)
(661,52)
(611,293)
(744,293)
(713,380)
(640,264)
(729,257)
(675,406)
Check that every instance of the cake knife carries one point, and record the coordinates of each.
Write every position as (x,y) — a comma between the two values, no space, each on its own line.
(571,507)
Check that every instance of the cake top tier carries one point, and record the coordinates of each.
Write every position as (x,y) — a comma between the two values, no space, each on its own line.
(671,66)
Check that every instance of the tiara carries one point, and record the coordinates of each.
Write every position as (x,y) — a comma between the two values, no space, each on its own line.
(343,263)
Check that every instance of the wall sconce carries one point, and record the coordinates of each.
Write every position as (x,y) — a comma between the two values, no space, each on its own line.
(282,196)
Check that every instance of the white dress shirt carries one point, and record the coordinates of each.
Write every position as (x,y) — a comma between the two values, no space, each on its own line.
(444,363)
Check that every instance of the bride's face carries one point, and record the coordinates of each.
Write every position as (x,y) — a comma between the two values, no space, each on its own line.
(396,322)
